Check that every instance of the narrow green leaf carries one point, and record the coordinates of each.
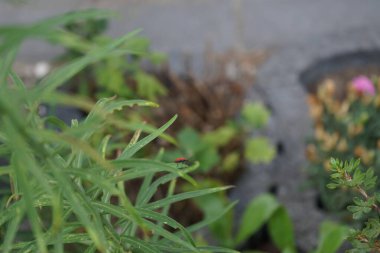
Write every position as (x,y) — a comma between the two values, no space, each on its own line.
(12,230)
(206,222)
(17,81)
(8,212)
(109,105)
(216,249)
(56,122)
(21,174)
(103,146)
(144,167)
(120,212)
(166,220)
(6,64)
(134,126)
(91,249)
(76,238)
(81,208)
(139,245)
(95,177)
(169,236)
(148,193)
(50,136)
(183,196)
(131,150)
(19,161)
(169,247)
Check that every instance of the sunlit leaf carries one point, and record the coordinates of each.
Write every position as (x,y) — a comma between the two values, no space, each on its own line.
(255,114)
(259,150)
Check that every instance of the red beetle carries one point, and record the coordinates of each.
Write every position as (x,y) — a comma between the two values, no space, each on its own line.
(182,160)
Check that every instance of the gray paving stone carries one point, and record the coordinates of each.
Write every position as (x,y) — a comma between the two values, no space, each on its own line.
(187,26)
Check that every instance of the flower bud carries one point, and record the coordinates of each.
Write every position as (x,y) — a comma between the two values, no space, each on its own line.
(363,85)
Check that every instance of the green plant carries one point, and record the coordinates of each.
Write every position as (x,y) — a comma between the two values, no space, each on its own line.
(261,210)
(213,148)
(64,186)
(365,207)
(210,148)
(265,210)
(222,152)
(114,75)
(346,121)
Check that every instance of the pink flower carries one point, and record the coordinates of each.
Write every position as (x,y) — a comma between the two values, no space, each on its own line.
(363,84)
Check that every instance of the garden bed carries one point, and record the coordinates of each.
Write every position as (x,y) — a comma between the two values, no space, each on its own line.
(343,106)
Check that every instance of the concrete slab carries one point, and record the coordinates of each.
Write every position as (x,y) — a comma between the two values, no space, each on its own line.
(280,23)
(183,25)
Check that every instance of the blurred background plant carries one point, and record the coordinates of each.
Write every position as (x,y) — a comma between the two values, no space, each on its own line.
(226,148)
(346,120)
(260,211)
(266,227)
(212,112)
(63,186)
(114,75)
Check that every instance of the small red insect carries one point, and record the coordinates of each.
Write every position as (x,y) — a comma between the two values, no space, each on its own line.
(182,160)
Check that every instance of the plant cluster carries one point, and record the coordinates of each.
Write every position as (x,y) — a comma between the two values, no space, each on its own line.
(63,186)
(366,202)
(346,121)
(223,150)
(216,126)
(264,209)
(207,106)
(265,212)
(209,129)
(120,75)
(72,188)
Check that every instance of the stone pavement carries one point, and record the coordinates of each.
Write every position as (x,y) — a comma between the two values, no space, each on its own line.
(187,25)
